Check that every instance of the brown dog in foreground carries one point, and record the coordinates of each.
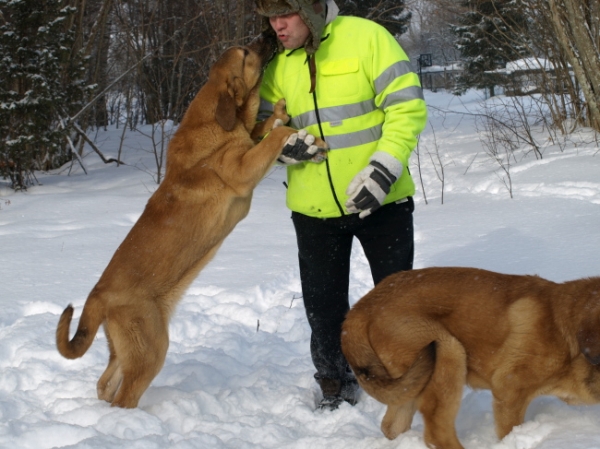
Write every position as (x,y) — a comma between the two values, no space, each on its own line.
(419,336)
(213,165)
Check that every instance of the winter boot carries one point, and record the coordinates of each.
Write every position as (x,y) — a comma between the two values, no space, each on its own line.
(349,391)
(336,391)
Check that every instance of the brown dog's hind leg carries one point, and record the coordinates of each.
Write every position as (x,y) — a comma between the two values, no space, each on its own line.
(441,398)
(398,419)
(510,411)
(110,380)
(140,339)
(135,383)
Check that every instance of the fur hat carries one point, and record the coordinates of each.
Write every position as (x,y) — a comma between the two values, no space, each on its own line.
(312,12)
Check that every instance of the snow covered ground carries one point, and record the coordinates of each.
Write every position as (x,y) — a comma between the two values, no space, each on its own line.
(238,372)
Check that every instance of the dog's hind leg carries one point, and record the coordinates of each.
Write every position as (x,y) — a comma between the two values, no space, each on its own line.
(441,398)
(140,339)
(509,411)
(110,380)
(402,398)
(398,419)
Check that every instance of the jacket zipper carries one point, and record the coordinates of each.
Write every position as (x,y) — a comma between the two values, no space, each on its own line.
(314,94)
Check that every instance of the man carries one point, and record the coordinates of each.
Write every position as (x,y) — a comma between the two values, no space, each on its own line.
(347,80)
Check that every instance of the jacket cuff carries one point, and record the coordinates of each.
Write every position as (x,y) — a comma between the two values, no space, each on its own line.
(393,165)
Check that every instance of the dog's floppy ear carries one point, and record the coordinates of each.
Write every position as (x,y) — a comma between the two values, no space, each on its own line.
(588,338)
(237,89)
(228,103)
(225,115)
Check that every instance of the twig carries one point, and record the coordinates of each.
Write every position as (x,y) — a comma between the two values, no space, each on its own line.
(94,147)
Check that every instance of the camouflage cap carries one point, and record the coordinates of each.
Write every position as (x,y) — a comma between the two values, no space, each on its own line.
(312,12)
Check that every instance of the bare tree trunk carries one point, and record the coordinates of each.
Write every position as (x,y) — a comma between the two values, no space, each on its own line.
(97,48)
(574,28)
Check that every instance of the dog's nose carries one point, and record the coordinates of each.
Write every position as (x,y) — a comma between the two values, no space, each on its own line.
(265,44)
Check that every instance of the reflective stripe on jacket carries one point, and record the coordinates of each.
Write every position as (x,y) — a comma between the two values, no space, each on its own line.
(367,99)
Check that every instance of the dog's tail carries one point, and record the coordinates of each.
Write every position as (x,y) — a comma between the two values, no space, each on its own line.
(375,379)
(91,318)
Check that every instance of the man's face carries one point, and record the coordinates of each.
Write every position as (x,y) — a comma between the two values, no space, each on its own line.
(290,29)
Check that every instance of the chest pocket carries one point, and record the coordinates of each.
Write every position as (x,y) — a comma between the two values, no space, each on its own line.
(339,78)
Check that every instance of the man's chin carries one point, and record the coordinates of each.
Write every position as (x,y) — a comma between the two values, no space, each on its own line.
(289,46)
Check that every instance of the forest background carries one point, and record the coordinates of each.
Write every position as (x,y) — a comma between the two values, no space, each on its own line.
(69,67)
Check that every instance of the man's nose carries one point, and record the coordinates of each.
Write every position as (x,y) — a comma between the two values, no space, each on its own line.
(277,23)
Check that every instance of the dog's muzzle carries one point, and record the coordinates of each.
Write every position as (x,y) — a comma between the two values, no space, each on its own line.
(265,44)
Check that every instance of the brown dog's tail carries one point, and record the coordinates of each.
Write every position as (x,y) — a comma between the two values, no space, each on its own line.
(90,321)
(406,387)
(375,379)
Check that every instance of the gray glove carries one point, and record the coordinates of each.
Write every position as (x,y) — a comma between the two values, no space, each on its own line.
(299,148)
(369,187)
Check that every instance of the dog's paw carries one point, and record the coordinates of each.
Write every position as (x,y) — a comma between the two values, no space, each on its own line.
(320,155)
(280,112)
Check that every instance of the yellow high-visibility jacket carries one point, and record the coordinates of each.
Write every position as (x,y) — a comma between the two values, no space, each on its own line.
(367,99)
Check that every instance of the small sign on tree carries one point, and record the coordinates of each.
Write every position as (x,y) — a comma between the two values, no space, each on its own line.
(425,60)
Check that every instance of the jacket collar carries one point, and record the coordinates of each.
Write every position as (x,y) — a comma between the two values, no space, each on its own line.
(332,11)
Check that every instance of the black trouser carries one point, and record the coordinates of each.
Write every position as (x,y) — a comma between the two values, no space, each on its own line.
(324,248)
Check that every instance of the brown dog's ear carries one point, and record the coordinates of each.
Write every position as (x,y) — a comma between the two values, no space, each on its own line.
(225,115)
(237,90)
(588,338)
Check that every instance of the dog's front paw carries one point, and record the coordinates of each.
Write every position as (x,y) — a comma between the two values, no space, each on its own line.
(280,113)
(319,156)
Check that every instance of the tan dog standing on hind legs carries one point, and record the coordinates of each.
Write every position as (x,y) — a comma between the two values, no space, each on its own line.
(419,336)
(213,165)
